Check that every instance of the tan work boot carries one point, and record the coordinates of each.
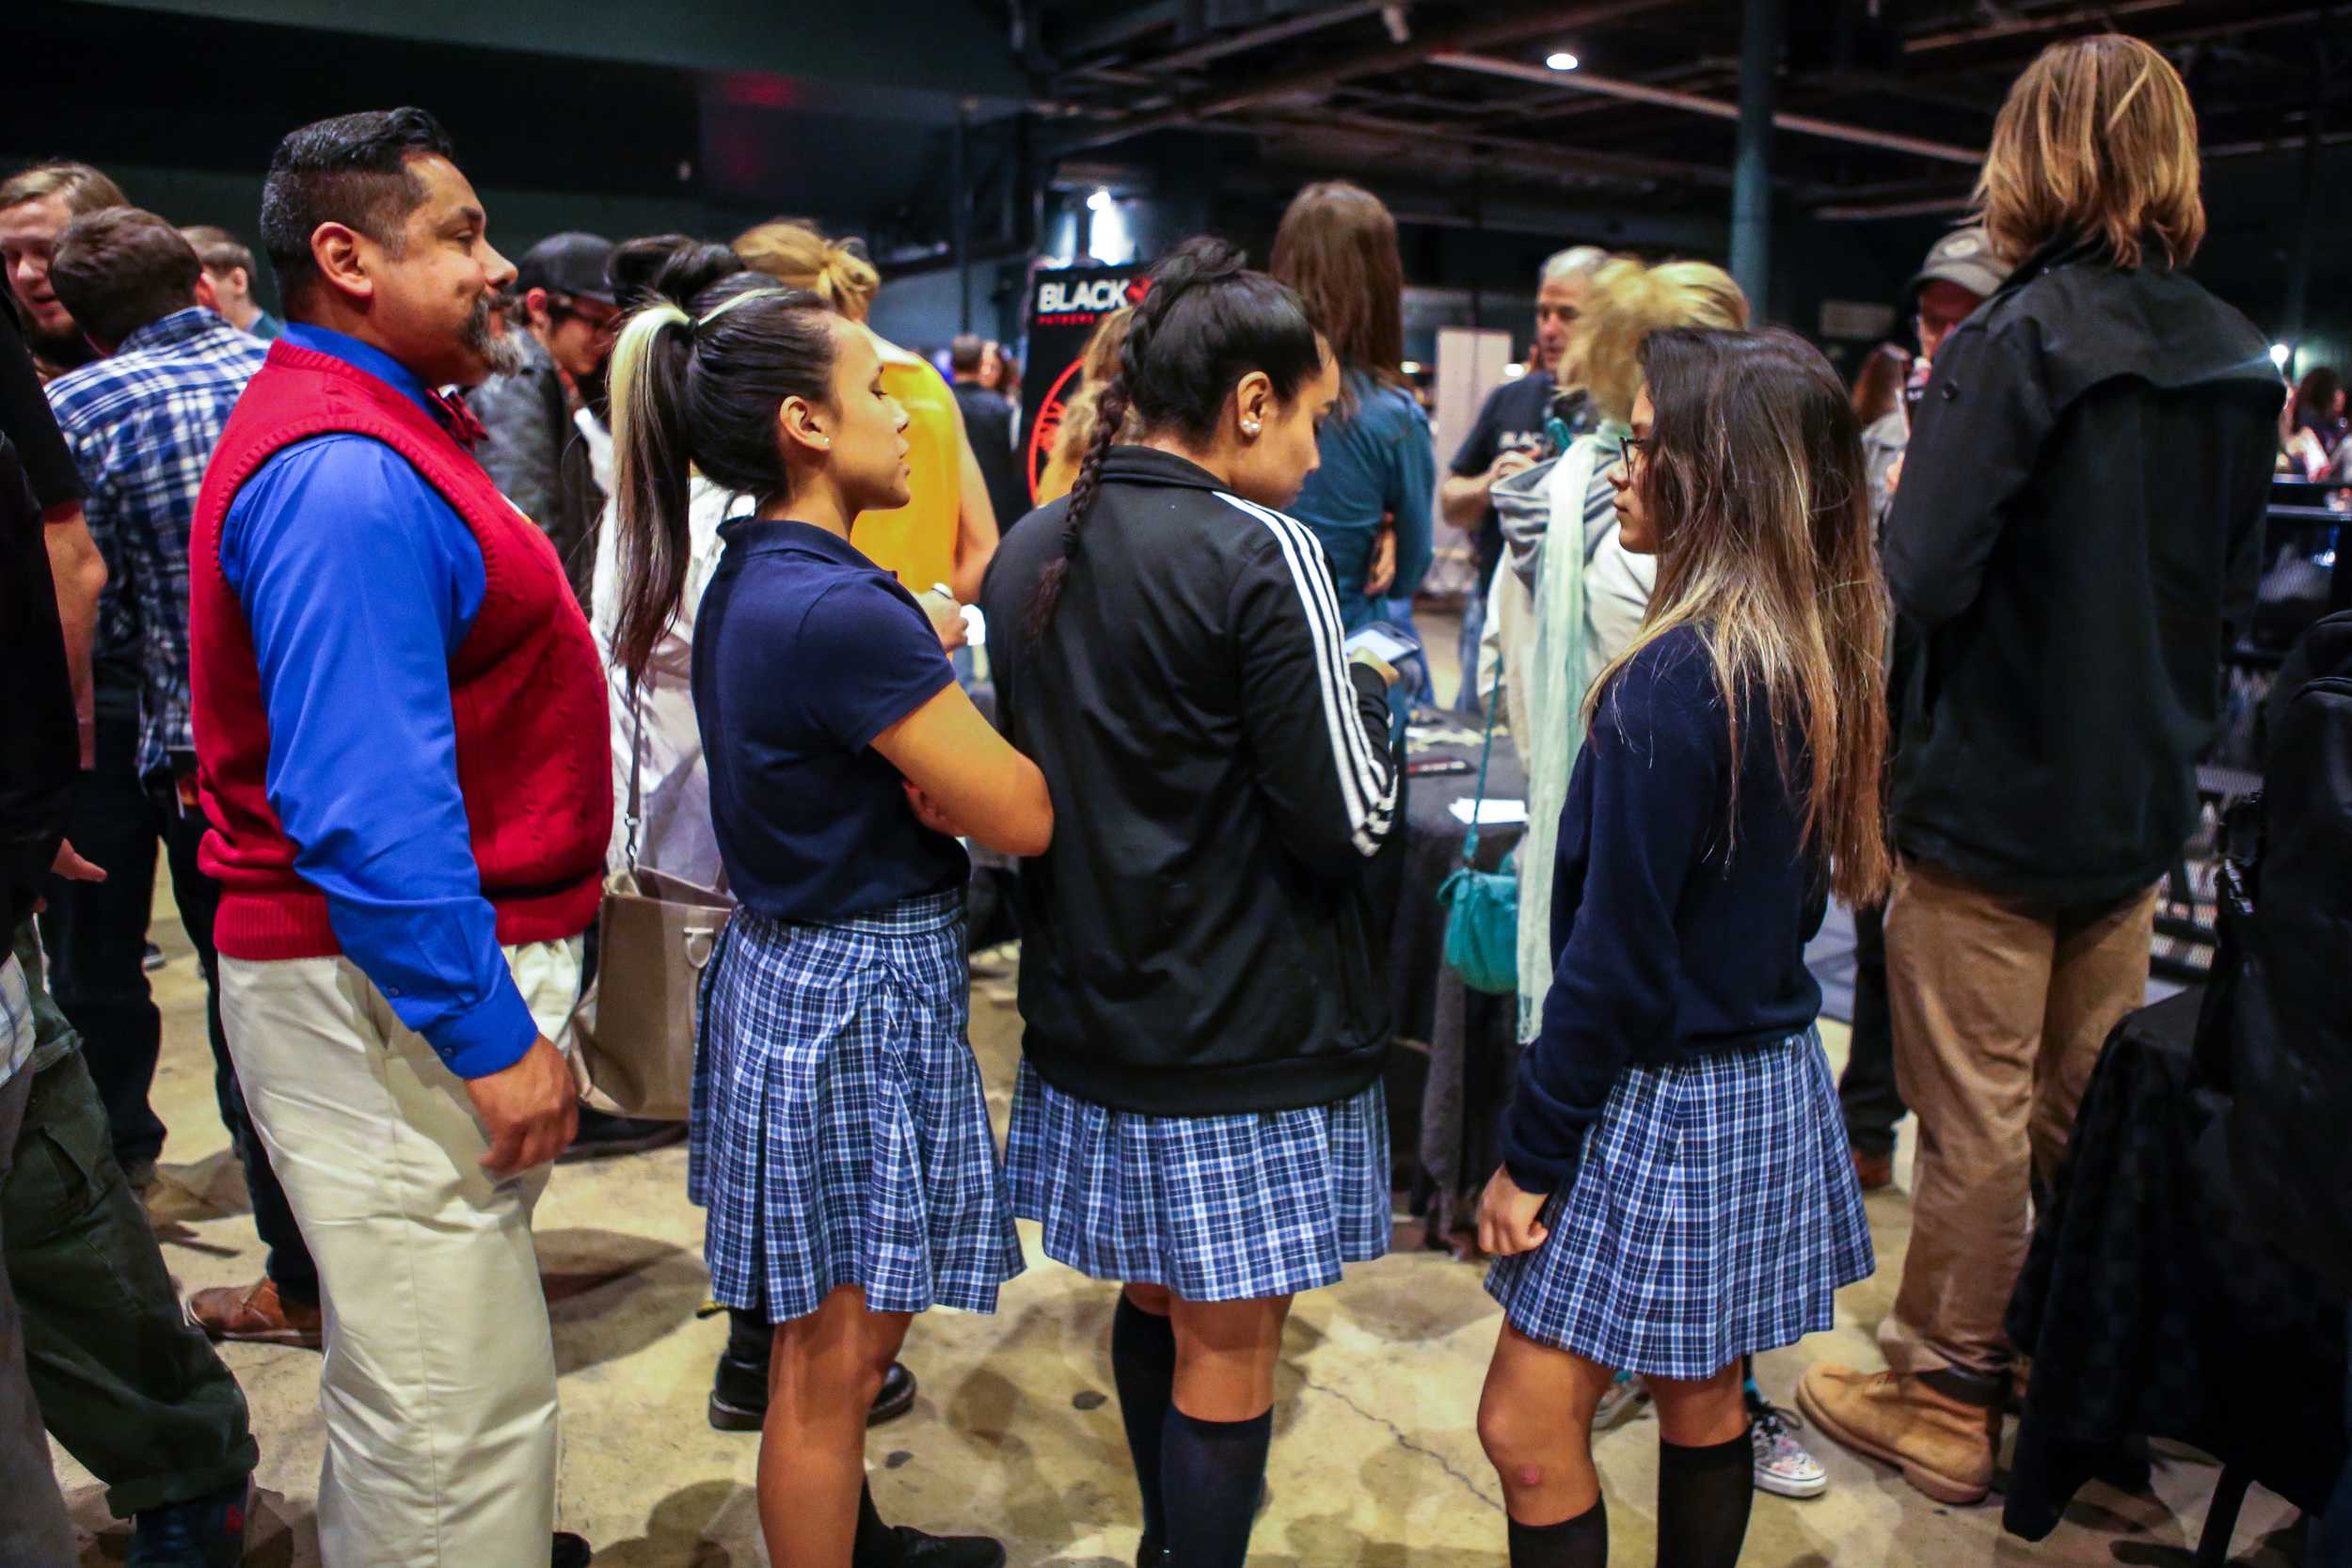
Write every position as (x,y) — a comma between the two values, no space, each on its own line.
(1942,1446)
(256,1313)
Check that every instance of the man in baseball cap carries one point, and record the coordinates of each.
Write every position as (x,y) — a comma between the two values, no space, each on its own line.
(1959,274)
(564,303)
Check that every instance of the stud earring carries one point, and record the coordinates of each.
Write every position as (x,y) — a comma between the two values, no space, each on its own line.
(1249,427)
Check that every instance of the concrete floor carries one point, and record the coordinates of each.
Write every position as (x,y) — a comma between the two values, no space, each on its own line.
(1374,1461)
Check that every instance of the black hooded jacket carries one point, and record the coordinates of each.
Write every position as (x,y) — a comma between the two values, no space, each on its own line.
(1196,940)
(2080,513)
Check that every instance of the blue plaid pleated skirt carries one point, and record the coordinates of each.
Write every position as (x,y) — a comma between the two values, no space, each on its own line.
(1714,1215)
(1215,1208)
(839,1132)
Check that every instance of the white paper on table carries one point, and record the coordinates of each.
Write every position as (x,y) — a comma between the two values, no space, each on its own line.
(1491,813)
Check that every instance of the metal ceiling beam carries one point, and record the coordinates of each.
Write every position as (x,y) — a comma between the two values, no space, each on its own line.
(2102,16)
(1868,210)
(1271,32)
(1585,81)
(1569,160)
(1485,34)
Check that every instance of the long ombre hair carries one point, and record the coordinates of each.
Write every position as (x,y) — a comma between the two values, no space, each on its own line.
(2096,140)
(1755,473)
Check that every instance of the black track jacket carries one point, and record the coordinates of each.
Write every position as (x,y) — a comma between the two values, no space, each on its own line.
(1196,940)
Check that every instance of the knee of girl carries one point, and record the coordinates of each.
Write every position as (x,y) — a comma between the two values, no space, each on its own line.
(1504,1439)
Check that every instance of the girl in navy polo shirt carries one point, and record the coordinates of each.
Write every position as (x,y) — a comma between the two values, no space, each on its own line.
(841,1142)
(1677,1191)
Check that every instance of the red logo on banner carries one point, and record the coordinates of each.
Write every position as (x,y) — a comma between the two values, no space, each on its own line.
(1048,427)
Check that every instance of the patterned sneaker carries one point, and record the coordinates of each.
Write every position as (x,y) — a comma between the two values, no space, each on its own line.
(1623,1401)
(1782,1467)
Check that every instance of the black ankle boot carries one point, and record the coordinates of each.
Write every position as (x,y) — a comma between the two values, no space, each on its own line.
(739,1391)
(909,1547)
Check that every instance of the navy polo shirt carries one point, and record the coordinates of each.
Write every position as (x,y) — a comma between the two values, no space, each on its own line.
(804,651)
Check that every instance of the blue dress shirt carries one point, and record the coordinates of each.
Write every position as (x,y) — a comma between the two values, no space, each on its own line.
(359,582)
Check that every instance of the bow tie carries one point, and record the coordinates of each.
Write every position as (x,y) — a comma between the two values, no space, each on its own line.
(456,417)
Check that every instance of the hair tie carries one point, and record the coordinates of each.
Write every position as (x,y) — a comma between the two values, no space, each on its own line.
(1070,541)
(725,305)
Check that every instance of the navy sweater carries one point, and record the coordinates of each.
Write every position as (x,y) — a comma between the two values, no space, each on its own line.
(1671,940)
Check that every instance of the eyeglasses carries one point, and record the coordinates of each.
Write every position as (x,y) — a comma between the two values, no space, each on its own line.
(1630,447)
(600,316)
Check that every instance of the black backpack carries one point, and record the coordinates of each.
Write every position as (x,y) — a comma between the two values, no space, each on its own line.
(2280,1002)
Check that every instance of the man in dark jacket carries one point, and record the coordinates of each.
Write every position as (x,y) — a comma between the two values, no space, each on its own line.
(2078,519)
(563,304)
(988,423)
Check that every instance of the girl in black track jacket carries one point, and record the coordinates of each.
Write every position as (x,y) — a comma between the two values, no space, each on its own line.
(1200,1114)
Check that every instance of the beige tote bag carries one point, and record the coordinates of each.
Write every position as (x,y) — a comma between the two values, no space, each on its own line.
(655,934)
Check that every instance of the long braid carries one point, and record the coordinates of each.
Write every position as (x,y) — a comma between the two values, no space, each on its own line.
(1110,413)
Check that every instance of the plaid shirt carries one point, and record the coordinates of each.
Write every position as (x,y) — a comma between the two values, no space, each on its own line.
(142,424)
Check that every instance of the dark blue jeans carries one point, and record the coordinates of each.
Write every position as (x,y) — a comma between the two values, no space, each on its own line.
(1866,1090)
(288,1265)
(95,933)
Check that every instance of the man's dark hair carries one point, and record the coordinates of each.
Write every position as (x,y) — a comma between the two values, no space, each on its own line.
(966,351)
(119,269)
(352,170)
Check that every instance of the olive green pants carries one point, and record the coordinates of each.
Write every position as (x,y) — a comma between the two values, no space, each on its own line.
(125,1382)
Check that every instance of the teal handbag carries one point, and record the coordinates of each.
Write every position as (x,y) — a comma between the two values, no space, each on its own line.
(1482,922)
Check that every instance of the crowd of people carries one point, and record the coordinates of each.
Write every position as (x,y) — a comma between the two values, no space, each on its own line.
(398,624)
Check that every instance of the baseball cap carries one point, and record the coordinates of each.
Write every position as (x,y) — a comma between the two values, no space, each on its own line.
(571,264)
(1964,257)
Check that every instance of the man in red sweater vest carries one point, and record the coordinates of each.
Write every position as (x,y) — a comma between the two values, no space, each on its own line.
(401,730)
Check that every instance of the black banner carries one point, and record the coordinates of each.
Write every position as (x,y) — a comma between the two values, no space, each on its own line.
(1064,308)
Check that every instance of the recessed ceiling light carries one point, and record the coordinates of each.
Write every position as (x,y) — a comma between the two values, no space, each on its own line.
(1561,61)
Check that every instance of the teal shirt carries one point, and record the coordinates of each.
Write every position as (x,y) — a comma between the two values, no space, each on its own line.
(1379,462)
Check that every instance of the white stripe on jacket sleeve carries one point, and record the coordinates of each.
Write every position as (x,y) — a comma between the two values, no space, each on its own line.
(1367,780)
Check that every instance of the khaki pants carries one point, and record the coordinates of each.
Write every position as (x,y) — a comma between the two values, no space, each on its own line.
(2000,1008)
(438,1388)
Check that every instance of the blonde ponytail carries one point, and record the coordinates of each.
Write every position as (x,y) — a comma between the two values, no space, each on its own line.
(795,253)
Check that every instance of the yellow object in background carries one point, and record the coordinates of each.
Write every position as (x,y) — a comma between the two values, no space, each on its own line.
(917,541)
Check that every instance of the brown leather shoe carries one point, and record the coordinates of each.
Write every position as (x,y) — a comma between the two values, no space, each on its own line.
(256,1313)
(1876,1172)
(1942,1446)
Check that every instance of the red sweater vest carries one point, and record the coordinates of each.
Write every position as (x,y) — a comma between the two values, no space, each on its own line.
(526,686)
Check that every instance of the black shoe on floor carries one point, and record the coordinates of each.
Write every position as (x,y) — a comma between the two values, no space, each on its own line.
(738,1394)
(602,1135)
(569,1551)
(914,1549)
(152,959)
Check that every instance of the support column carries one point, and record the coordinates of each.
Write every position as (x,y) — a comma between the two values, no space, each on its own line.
(1751,166)
(959,198)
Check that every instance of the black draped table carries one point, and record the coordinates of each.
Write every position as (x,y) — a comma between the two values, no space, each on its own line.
(1467,1039)
(2153,1308)
(1448,1087)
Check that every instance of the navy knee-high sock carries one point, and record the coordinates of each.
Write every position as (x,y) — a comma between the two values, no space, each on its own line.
(1143,1368)
(1219,1469)
(1579,1543)
(1704,1496)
